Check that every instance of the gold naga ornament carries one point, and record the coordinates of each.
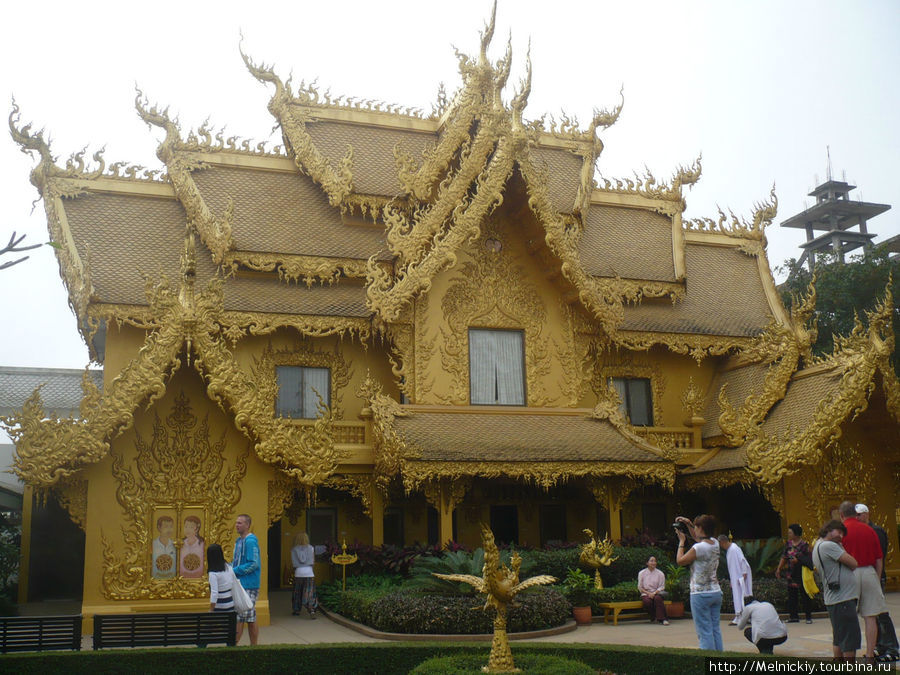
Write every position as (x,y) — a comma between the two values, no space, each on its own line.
(501,584)
(597,554)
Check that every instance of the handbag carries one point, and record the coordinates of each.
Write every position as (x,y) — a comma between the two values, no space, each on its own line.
(242,601)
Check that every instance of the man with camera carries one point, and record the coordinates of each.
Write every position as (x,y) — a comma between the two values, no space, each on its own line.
(840,588)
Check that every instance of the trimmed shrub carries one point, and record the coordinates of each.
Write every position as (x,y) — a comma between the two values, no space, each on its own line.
(463,615)
(767,590)
(472,664)
(362,591)
(623,592)
(631,560)
(556,562)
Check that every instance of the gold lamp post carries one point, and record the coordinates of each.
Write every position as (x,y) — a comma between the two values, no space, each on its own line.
(500,584)
(597,554)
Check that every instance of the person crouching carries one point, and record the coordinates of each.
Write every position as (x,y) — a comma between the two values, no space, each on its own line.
(766,630)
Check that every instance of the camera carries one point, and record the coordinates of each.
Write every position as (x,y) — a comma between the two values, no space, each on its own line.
(834,586)
(681,527)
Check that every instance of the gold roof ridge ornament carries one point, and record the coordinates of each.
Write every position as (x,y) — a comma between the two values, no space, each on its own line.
(500,583)
(214,231)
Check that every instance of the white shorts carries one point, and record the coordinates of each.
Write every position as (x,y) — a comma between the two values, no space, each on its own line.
(871,597)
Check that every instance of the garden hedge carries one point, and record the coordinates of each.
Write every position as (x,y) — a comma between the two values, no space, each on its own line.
(356,658)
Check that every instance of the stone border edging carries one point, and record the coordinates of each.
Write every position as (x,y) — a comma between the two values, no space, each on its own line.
(567,627)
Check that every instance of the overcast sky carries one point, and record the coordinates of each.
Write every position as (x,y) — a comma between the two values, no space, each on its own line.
(759,87)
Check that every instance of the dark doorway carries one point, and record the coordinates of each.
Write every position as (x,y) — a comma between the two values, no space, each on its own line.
(505,524)
(653,516)
(274,551)
(56,562)
(393,526)
(553,524)
(434,527)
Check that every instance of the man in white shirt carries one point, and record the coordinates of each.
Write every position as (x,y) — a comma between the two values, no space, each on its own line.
(766,629)
(740,574)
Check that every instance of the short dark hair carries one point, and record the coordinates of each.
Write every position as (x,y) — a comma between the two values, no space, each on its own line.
(748,599)
(848,509)
(832,525)
(215,559)
(796,528)
(707,523)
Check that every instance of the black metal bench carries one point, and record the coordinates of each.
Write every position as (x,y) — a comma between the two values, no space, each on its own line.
(164,630)
(39,633)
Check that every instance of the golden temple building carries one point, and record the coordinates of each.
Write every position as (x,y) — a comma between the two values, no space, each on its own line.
(399,325)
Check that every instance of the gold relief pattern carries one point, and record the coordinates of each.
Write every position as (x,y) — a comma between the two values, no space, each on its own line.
(178,468)
(296,268)
(214,231)
(305,354)
(857,357)
(281,496)
(359,485)
(442,495)
(401,356)
(647,185)
(543,474)
(493,293)
(424,349)
(613,489)
(692,400)
(390,450)
(72,496)
(774,494)
(715,479)
(841,474)
(574,355)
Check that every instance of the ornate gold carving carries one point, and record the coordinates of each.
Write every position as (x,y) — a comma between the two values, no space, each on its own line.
(614,490)
(183,323)
(501,585)
(281,495)
(714,479)
(597,553)
(215,231)
(72,496)
(390,450)
(774,494)
(763,214)
(336,182)
(692,400)
(445,495)
(179,468)
(574,355)
(543,474)
(296,268)
(359,485)
(491,292)
(647,185)
(857,358)
(698,347)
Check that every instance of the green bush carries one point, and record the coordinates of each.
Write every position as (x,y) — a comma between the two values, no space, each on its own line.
(623,592)
(767,590)
(556,562)
(403,612)
(472,664)
(454,562)
(362,591)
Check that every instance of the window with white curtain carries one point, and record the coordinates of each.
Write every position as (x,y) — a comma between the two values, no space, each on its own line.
(496,367)
(637,401)
(299,388)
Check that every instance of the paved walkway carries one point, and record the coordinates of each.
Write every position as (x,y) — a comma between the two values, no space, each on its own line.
(812,640)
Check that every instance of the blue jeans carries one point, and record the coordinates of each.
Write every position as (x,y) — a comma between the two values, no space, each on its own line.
(706,609)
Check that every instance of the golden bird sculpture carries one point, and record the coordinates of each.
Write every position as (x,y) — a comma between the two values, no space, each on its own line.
(501,585)
(597,554)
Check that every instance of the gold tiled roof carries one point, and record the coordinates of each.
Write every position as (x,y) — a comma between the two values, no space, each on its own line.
(724,296)
(374,166)
(563,171)
(286,213)
(727,458)
(741,382)
(517,437)
(122,237)
(630,243)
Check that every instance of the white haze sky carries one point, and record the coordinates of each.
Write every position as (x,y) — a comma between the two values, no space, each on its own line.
(759,87)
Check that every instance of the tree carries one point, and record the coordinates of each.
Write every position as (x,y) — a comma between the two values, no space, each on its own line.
(14,247)
(844,291)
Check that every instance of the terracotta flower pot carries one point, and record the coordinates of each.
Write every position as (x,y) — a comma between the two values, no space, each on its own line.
(675,610)
(583,615)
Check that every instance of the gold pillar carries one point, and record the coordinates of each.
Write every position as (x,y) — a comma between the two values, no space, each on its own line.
(445,511)
(25,552)
(377,517)
(614,506)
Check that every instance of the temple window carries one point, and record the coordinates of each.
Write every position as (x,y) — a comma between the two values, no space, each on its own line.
(321,524)
(299,389)
(637,401)
(496,367)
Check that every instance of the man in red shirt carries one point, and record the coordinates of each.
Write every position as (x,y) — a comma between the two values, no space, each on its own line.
(862,543)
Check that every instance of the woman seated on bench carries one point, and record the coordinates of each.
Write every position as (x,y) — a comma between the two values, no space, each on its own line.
(652,587)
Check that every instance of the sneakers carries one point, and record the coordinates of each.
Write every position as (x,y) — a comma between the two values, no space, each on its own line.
(665,622)
(809,621)
(793,620)
(734,621)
